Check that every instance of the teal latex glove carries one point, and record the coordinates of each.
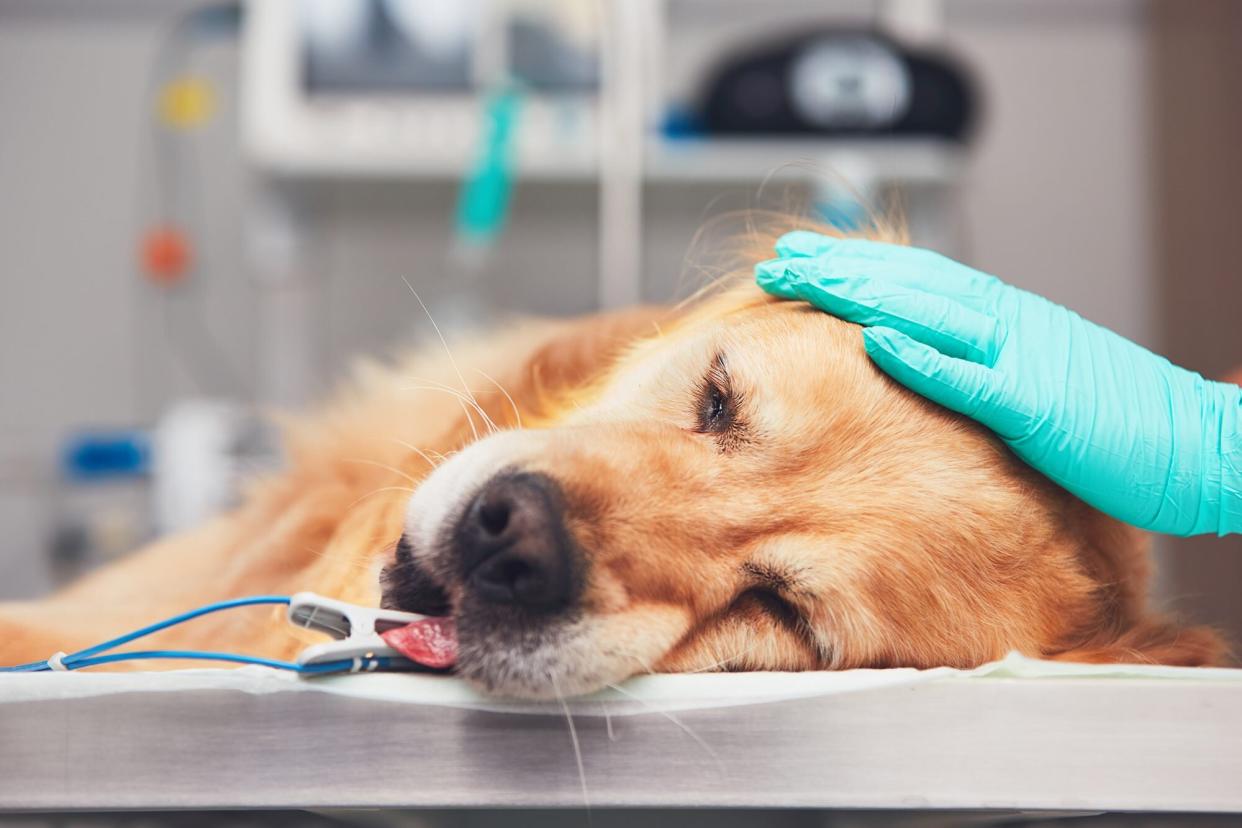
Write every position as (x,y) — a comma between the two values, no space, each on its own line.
(1127,431)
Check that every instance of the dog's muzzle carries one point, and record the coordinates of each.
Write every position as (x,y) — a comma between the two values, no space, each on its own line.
(512,546)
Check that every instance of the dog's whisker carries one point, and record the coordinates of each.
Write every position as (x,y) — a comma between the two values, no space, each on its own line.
(709,668)
(612,737)
(466,410)
(461,398)
(676,721)
(469,394)
(380,490)
(425,384)
(420,452)
(517,415)
(443,342)
(462,402)
(439,456)
(384,466)
(573,737)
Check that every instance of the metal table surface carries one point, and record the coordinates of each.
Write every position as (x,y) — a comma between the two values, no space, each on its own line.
(1083,743)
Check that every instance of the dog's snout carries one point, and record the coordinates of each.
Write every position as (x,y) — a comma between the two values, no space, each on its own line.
(514,546)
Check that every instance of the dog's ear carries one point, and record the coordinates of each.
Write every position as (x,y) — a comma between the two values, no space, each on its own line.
(1127,631)
(586,347)
(1155,641)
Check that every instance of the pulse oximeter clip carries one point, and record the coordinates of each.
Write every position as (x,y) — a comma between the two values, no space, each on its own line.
(357,631)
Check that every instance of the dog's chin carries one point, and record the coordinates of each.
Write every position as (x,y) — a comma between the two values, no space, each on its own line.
(544,661)
(501,651)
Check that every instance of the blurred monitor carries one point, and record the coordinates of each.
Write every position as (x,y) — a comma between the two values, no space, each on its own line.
(395,86)
(351,46)
(417,46)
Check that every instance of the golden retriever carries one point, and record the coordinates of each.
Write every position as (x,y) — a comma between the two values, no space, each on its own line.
(729,485)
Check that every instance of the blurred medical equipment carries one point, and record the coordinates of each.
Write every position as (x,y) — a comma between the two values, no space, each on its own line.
(837,82)
(118,488)
(486,191)
(98,499)
(493,92)
(204,451)
(394,87)
(180,102)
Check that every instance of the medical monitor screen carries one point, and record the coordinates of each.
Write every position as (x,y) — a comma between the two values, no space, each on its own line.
(352,46)
(430,46)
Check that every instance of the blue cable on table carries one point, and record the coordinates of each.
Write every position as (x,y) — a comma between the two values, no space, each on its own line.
(93,656)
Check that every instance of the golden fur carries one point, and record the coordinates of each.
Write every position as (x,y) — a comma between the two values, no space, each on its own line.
(848,523)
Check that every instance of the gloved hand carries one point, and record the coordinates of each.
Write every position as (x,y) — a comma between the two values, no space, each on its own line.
(1127,431)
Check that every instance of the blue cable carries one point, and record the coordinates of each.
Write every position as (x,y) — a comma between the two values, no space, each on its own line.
(90,657)
(179,619)
(204,655)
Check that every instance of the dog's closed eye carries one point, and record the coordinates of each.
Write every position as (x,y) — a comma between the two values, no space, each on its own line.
(717,404)
(768,603)
(766,592)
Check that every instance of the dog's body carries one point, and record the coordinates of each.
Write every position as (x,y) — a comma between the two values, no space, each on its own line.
(729,487)
(329,521)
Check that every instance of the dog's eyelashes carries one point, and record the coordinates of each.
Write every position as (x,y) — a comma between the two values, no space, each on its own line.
(717,403)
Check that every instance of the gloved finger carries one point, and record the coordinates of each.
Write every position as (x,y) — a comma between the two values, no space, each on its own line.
(946,325)
(771,276)
(966,387)
(929,269)
(923,269)
(804,243)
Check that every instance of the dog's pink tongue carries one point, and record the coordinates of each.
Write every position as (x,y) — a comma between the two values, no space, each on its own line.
(431,642)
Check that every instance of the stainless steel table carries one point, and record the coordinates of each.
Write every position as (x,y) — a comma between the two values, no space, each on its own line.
(939,740)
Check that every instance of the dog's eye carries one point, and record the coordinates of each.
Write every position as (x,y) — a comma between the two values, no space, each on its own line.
(715,409)
(769,603)
(717,406)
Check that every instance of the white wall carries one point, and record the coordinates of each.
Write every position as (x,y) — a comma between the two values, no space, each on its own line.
(1058,197)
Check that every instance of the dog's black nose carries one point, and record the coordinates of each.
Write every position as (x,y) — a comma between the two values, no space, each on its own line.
(514,546)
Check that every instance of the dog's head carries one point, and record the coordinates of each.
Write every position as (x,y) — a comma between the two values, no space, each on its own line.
(746,491)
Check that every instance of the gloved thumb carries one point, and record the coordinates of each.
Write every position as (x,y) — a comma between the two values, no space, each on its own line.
(959,385)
